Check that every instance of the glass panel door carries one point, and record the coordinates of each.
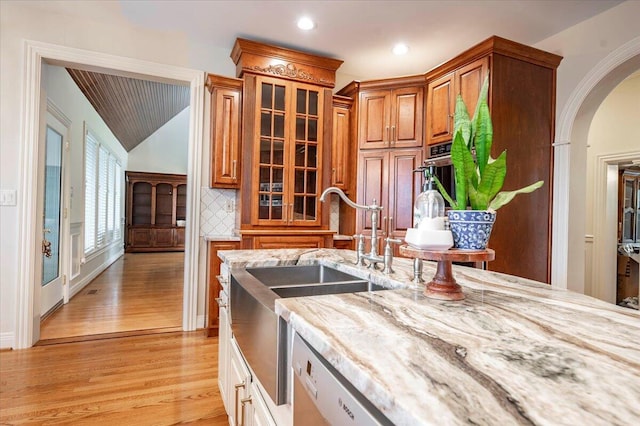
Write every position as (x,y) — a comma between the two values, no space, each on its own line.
(272,184)
(306,159)
(52,206)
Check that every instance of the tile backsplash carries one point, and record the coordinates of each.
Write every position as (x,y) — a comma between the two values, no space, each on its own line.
(219,214)
(218,211)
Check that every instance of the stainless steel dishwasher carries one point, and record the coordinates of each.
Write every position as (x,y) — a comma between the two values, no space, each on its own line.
(321,396)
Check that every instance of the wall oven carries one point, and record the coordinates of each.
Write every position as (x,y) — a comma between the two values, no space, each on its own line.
(440,157)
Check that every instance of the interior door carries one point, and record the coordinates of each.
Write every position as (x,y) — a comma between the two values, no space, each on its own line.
(51,294)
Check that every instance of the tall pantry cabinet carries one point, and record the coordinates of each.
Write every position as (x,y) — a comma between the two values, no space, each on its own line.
(390,136)
(522,87)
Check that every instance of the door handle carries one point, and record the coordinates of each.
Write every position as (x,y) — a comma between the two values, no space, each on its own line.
(235,167)
(243,402)
(46,248)
(238,386)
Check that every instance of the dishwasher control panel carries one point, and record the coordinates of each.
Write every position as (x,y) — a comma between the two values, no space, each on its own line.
(321,396)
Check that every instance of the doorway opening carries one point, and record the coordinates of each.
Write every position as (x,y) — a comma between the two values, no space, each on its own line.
(37,54)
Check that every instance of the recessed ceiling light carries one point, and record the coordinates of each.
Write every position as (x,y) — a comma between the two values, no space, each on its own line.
(305,23)
(400,49)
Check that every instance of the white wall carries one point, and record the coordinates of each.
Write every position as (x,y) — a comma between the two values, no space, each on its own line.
(614,132)
(584,47)
(64,92)
(166,150)
(111,33)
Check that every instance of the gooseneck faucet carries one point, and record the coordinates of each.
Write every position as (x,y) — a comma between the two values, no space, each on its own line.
(373,256)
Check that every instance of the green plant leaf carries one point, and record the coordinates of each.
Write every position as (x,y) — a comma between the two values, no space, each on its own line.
(483,136)
(504,197)
(461,121)
(483,96)
(477,199)
(492,179)
(444,192)
(460,158)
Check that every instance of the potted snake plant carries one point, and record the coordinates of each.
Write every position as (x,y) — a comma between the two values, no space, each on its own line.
(478,177)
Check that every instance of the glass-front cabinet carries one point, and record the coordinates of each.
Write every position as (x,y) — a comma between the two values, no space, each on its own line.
(288,154)
(629,228)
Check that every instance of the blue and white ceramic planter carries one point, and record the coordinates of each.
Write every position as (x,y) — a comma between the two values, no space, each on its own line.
(471,229)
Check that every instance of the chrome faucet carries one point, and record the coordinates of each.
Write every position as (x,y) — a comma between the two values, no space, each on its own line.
(372,256)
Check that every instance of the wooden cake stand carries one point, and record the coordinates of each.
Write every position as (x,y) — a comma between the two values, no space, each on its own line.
(443,286)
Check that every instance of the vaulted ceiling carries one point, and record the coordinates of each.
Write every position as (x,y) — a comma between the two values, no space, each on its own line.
(133,109)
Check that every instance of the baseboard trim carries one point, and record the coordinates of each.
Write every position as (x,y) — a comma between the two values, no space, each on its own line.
(77,287)
(200,321)
(7,340)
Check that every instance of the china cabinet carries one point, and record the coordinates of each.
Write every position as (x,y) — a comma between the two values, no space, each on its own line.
(156,211)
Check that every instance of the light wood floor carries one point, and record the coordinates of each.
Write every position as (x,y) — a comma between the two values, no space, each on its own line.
(159,379)
(140,291)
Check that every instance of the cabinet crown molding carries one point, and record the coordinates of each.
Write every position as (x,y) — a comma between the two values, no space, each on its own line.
(219,81)
(500,46)
(260,58)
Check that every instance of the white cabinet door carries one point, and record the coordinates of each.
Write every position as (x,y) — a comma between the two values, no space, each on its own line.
(260,415)
(239,381)
(224,336)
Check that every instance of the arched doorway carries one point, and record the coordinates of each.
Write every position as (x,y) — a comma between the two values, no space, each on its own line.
(570,157)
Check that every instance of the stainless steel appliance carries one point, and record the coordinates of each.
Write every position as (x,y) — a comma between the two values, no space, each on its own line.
(440,157)
(264,337)
(321,396)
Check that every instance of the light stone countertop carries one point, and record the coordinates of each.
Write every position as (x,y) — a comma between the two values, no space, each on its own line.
(513,352)
(220,237)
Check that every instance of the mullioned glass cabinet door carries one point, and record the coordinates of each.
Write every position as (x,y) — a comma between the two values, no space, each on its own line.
(288,153)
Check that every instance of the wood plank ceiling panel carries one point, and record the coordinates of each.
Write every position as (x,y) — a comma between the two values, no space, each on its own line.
(132,108)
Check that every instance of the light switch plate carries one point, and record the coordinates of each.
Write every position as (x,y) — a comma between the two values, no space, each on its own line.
(8,197)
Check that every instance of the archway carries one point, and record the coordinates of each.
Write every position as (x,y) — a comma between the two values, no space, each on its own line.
(570,154)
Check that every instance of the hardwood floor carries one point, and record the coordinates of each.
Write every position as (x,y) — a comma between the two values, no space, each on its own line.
(159,379)
(140,291)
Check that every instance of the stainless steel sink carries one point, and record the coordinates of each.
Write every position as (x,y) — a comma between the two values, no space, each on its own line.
(320,289)
(280,276)
(264,339)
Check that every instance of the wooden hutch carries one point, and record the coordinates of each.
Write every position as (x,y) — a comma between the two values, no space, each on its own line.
(156,211)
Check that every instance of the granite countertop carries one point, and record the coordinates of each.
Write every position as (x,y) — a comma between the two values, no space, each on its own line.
(220,237)
(513,352)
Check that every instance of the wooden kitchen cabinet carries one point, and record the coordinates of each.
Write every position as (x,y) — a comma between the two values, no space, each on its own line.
(226,101)
(391,118)
(522,87)
(341,160)
(287,127)
(156,203)
(387,176)
(213,324)
(287,156)
(441,98)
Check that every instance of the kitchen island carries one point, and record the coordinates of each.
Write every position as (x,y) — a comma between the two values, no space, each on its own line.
(514,351)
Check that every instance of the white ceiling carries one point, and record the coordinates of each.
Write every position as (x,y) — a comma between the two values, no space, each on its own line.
(362,33)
